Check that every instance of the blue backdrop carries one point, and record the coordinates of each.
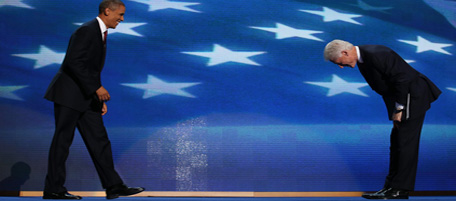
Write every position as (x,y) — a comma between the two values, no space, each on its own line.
(218,95)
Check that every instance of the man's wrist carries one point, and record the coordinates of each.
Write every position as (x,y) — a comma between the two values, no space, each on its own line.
(398,111)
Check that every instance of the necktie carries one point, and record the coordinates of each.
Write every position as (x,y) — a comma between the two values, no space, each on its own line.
(105,36)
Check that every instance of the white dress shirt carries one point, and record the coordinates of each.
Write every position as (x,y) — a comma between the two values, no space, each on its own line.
(102,27)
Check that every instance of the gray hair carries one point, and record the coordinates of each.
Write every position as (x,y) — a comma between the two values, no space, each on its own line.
(111,4)
(334,48)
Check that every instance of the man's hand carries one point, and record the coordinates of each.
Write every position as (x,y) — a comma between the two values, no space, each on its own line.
(103,94)
(104,110)
(397,116)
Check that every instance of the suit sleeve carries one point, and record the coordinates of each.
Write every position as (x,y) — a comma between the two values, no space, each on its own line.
(398,73)
(78,62)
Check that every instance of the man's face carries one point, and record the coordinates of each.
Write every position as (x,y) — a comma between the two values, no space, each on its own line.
(347,59)
(114,17)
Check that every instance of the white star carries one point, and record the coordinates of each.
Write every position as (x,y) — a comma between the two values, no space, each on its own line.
(410,61)
(221,55)
(330,15)
(7,92)
(16,3)
(155,87)
(127,28)
(423,45)
(452,89)
(283,31)
(165,4)
(124,28)
(45,57)
(368,7)
(338,86)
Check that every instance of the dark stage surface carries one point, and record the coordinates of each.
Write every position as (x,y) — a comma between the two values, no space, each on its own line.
(421,198)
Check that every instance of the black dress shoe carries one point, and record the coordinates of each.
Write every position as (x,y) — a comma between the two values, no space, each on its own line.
(61,196)
(390,193)
(376,194)
(122,190)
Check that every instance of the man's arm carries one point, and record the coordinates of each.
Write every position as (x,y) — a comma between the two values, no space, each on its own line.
(398,73)
(78,58)
(103,94)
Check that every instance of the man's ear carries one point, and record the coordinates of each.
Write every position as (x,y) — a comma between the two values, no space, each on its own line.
(106,11)
(344,53)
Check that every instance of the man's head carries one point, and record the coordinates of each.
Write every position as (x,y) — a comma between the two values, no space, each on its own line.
(341,53)
(111,12)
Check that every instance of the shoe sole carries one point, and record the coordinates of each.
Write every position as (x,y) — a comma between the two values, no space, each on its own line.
(385,198)
(110,197)
(114,196)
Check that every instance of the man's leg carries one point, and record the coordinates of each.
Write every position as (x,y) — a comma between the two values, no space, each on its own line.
(394,157)
(405,140)
(95,137)
(65,124)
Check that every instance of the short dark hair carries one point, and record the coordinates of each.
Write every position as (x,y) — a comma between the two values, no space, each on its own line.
(111,4)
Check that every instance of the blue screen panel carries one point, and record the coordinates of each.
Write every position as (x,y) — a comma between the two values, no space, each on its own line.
(212,95)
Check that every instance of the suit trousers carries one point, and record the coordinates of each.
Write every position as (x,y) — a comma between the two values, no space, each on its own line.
(405,140)
(90,126)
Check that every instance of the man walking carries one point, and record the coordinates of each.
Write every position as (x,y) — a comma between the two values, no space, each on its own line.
(80,101)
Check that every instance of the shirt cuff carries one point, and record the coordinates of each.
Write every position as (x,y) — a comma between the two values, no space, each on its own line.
(399,106)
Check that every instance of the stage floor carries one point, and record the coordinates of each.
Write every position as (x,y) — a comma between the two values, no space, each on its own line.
(420,198)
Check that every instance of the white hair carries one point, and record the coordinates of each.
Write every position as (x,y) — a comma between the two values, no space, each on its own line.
(333,49)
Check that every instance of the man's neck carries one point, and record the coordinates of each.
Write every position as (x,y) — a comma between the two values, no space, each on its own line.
(101,17)
(358,55)
(103,26)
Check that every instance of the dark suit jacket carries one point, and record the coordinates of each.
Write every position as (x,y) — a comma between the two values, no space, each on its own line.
(396,81)
(78,78)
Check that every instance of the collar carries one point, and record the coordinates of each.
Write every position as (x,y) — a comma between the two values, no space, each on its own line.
(102,25)
(360,59)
